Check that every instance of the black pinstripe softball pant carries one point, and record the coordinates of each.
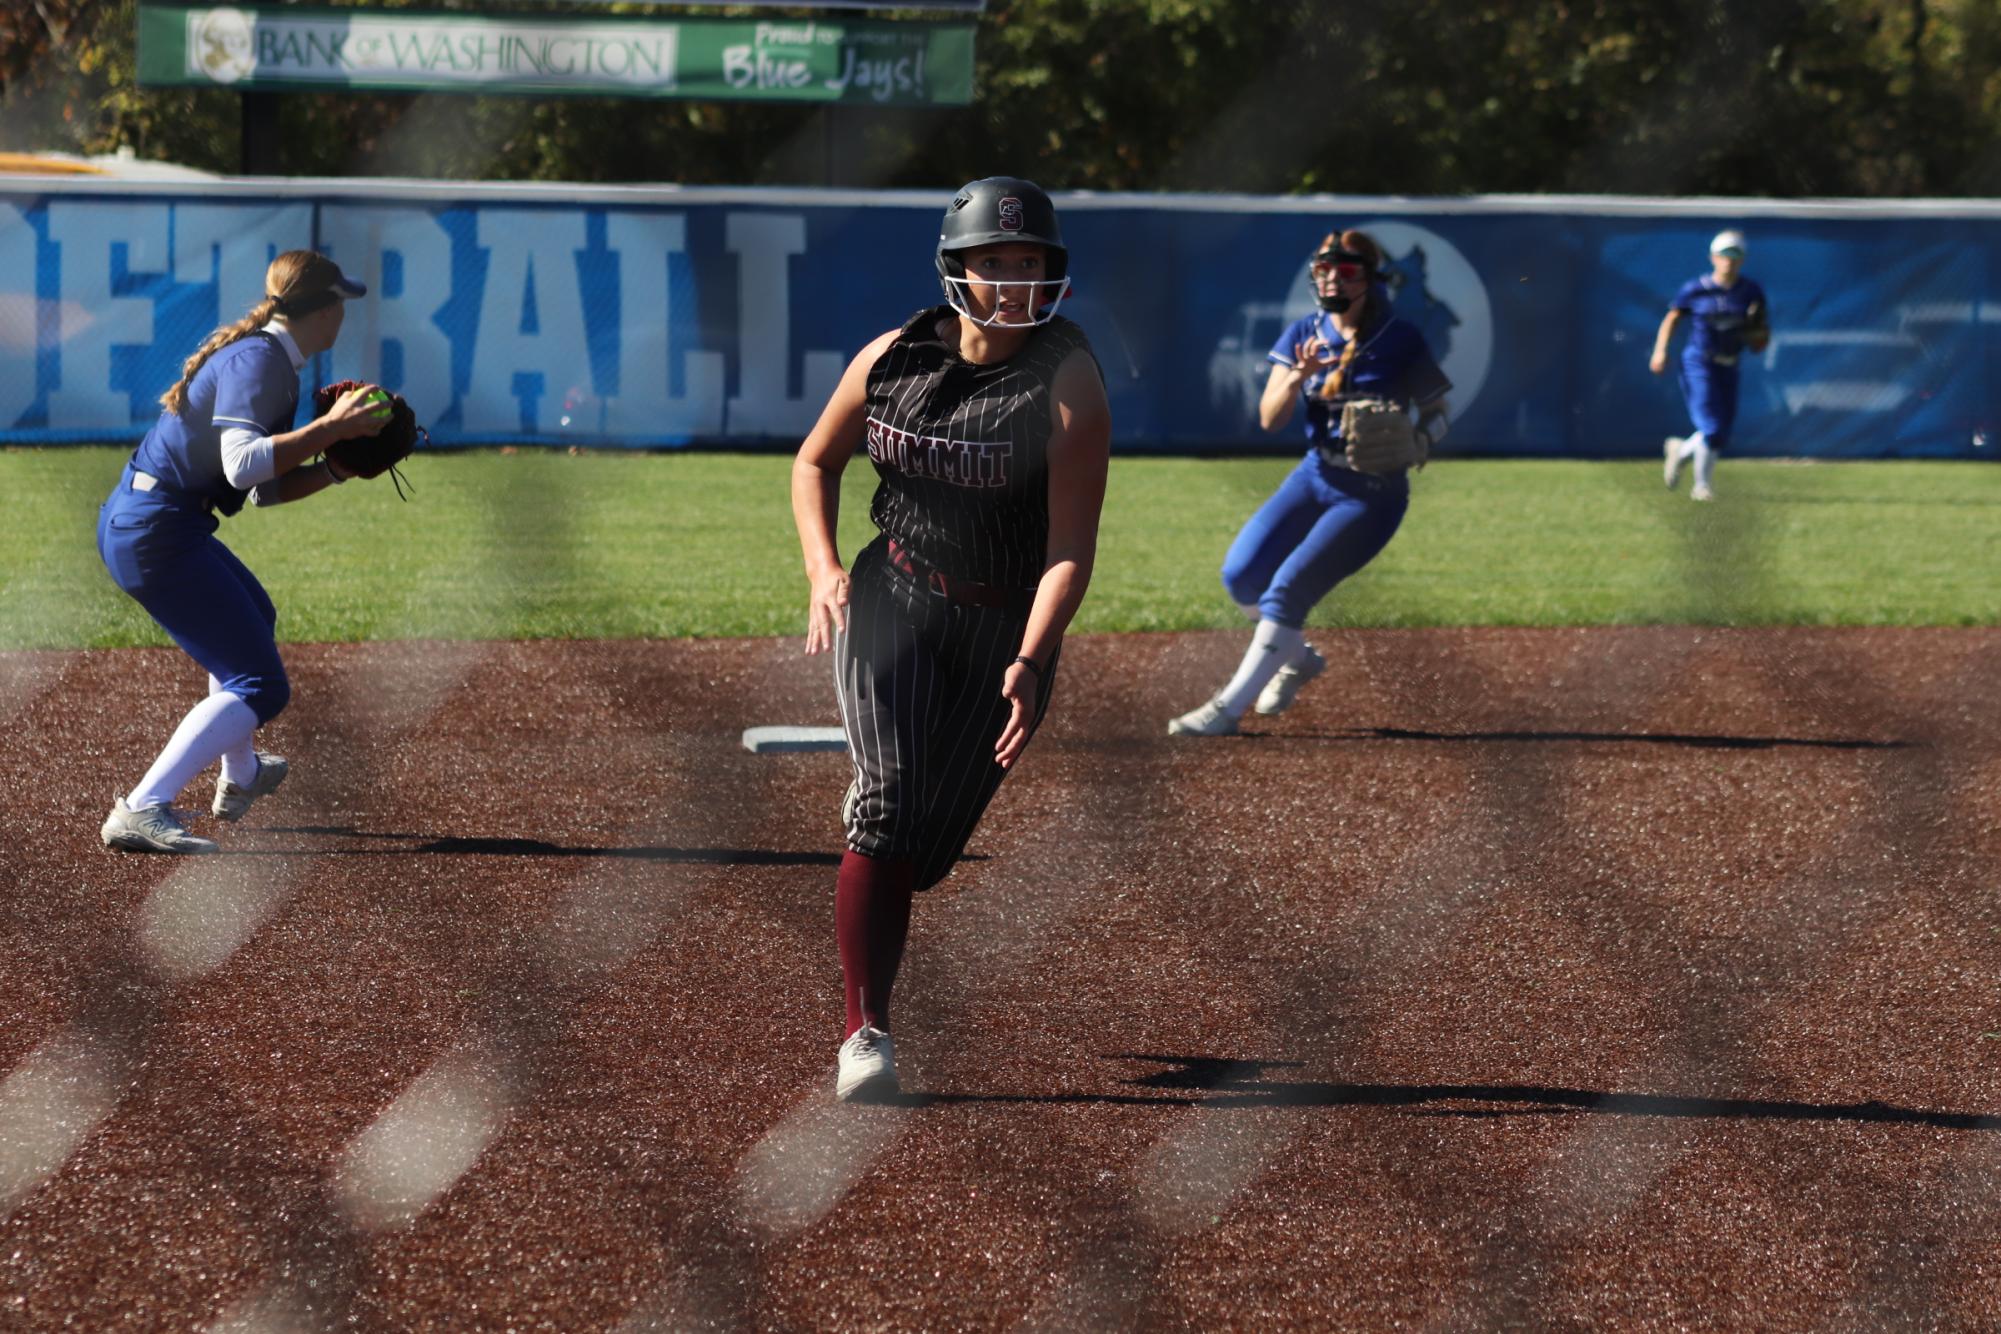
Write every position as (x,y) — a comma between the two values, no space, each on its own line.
(919,680)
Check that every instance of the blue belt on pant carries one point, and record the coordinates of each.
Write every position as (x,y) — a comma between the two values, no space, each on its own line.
(145,481)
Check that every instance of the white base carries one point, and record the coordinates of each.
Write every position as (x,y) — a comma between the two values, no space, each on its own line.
(775,740)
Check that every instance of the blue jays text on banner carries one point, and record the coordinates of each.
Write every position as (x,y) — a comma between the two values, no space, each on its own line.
(669,317)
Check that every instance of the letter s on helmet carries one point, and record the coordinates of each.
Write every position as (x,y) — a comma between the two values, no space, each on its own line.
(996,211)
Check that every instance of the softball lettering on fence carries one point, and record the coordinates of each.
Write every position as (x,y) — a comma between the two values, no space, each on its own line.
(651,317)
(494,323)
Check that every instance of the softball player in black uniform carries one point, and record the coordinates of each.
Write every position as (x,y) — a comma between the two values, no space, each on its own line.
(987,424)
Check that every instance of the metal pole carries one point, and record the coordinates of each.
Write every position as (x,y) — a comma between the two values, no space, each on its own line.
(262,147)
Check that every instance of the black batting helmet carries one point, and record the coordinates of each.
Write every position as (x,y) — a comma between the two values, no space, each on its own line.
(996,211)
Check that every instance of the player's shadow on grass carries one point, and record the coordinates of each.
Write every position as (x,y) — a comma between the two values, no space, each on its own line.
(1217,1083)
(1691,740)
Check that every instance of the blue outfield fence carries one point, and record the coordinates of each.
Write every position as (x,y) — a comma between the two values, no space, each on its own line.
(651,317)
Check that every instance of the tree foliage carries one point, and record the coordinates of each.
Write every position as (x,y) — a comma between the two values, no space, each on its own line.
(1782,97)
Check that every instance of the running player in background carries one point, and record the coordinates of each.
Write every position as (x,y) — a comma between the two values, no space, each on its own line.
(987,424)
(1327,520)
(1727,317)
(225,436)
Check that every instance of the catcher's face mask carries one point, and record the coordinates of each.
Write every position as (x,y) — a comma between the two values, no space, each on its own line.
(1340,277)
(997,286)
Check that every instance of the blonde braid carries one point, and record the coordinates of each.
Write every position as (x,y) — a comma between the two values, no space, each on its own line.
(175,400)
(1330,388)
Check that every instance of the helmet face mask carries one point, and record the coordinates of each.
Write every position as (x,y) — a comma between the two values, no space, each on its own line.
(1036,298)
(1335,266)
(1002,210)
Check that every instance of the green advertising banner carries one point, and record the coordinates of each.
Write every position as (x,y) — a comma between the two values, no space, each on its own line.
(890,63)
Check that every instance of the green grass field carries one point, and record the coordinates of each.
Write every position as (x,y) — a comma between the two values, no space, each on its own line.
(540,544)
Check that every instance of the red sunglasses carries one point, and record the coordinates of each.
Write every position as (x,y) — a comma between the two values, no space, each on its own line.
(1344,270)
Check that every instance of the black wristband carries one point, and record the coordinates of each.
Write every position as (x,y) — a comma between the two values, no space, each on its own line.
(1029,663)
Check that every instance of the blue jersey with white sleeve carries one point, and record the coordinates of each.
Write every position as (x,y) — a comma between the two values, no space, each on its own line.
(1718,316)
(250,385)
(1393,362)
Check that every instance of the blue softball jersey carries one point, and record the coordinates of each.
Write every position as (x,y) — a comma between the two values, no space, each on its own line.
(254,384)
(1393,362)
(1718,316)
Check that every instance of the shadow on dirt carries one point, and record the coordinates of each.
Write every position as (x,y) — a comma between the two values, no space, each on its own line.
(1691,740)
(1217,1083)
(452,845)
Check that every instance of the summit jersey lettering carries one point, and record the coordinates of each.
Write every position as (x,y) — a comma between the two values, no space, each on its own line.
(962,450)
(960,462)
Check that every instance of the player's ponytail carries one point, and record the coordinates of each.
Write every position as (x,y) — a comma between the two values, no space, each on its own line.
(1336,378)
(1360,243)
(296,281)
(175,400)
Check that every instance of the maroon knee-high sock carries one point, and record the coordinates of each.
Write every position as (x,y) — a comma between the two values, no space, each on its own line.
(871,920)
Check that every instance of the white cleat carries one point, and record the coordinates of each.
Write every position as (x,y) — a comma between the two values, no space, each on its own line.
(867,1066)
(1701,493)
(1209,720)
(150,829)
(1281,690)
(232,802)
(1671,468)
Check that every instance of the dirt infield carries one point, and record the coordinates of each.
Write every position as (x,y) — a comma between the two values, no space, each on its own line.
(1642,979)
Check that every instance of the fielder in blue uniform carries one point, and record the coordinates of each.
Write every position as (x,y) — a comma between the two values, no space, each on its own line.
(1727,317)
(1327,520)
(225,436)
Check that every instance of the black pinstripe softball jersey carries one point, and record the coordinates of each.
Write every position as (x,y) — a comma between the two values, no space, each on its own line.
(963,450)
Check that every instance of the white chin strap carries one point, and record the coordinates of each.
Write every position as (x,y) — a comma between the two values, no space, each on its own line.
(1038,311)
